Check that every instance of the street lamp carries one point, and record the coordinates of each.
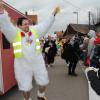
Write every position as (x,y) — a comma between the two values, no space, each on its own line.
(77,15)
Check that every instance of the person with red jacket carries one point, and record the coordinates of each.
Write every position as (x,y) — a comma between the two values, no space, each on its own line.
(97,39)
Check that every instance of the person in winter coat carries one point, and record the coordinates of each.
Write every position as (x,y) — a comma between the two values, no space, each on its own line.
(28,60)
(50,51)
(96,56)
(70,55)
(84,47)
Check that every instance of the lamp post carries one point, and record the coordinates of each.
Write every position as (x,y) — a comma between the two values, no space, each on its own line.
(77,15)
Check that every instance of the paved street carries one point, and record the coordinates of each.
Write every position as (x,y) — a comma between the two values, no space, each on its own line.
(61,87)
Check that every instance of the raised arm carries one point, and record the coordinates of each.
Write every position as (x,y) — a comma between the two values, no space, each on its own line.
(43,27)
(6,27)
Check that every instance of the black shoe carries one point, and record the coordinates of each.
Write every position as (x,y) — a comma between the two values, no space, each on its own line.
(69,73)
(74,74)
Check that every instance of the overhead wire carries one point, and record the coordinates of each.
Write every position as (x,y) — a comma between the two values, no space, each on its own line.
(72,4)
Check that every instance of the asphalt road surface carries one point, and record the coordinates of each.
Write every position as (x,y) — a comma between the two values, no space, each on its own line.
(61,86)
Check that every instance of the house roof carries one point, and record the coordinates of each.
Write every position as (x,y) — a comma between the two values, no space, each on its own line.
(82,28)
(33,18)
(98,24)
(59,33)
(15,14)
(76,28)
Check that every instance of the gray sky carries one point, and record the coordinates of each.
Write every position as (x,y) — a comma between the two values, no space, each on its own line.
(43,8)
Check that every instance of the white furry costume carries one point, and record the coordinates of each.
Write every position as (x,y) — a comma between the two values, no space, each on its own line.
(30,64)
(91,46)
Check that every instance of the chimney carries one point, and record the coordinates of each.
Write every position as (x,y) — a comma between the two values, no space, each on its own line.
(26,13)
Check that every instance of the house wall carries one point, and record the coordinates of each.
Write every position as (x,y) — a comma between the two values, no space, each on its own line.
(7,77)
(59,34)
(1,75)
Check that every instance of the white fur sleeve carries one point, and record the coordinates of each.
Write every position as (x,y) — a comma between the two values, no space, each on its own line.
(43,27)
(91,47)
(6,27)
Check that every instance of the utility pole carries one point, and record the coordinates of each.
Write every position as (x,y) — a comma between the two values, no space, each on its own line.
(89,18)
(77,16)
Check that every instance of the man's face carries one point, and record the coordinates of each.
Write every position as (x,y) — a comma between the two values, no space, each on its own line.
(25,25)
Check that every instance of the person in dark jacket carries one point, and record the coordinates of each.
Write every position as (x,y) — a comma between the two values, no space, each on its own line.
(70,56)
(93,78)
(50,51)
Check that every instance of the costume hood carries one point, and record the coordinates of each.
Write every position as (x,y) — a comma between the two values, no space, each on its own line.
(92,34)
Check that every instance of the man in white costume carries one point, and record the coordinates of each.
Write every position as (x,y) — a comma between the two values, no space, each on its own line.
(30,63)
